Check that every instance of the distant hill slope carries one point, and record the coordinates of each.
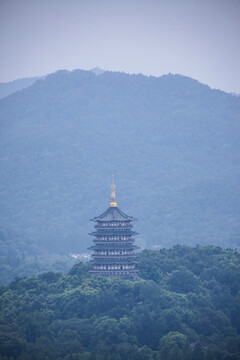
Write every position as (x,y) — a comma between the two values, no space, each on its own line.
(172,143)
(23,257)
(7,88)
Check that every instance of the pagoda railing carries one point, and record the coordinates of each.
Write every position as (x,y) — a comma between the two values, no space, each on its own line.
(114,267)
(113,225)
(114,242)
(113,237)
(114,255)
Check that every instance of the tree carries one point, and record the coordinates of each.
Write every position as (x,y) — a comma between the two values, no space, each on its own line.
(173,338)
(198,353)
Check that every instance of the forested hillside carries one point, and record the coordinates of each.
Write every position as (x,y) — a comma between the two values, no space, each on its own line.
(184,306)
(22,257)
(172,143)
(9,88)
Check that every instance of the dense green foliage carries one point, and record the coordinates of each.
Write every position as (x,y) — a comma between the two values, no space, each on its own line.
(185,305)
(171,142)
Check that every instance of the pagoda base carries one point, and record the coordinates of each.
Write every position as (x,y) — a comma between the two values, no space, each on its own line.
(121,273)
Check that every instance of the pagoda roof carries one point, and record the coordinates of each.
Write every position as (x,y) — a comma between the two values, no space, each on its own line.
(113,214)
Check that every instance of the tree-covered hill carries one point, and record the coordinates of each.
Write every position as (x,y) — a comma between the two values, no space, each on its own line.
(172,143)
(185,305)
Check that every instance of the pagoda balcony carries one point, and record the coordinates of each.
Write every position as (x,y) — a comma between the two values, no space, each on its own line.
(114,256)
(114,267)
(113,252)
(113,260)
(117,267)
(117,247)
(114,238)
(116,261)
(122,273)
(113,232)
(116,244)
(120,225)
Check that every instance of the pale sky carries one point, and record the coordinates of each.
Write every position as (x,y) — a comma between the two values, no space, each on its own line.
(196,38)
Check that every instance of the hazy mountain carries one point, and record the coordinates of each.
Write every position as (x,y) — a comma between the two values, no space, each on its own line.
(172,143)
(7,88)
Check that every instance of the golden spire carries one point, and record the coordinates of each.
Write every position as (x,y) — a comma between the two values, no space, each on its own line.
(113,194)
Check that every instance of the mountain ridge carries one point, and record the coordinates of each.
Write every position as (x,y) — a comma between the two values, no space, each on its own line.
(10,87)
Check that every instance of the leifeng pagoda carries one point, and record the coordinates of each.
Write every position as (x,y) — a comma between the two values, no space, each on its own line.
(114,244)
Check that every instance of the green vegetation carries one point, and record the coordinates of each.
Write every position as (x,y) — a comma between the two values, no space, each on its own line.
(172,143)
(185,305)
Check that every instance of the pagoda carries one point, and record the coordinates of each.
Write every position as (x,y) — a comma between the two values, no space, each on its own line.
(113,243)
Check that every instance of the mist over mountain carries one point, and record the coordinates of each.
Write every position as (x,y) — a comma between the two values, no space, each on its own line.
(97,71)
(172,143)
